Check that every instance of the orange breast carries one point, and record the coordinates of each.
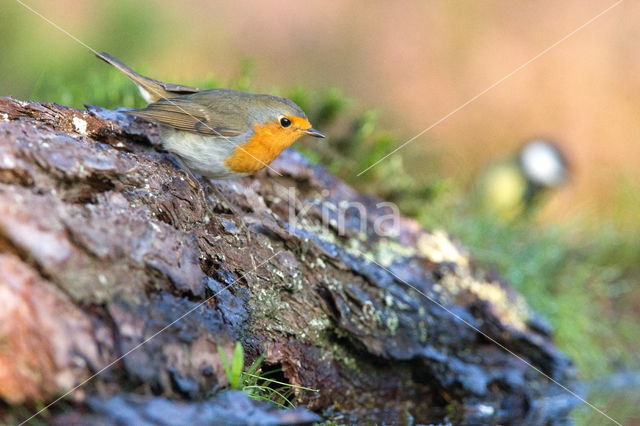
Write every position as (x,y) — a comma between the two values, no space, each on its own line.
(268,141)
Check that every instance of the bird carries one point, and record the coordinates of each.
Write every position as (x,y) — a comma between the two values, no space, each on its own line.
(513,189)
(218,133)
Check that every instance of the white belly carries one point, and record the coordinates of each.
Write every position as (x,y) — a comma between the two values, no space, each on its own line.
(204,155)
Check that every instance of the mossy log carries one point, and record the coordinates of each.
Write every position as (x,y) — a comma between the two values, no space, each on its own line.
(107,250)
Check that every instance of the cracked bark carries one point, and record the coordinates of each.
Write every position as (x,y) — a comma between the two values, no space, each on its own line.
(103,244)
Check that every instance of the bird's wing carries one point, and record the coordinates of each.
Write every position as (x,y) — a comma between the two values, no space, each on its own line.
(185,114)
(178,89)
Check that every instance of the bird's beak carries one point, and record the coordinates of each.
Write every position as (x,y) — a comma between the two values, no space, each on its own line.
(313,132)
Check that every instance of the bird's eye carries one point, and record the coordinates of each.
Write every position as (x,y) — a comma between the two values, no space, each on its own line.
(285,122)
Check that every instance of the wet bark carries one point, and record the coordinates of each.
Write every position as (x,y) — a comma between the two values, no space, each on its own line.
(107,250)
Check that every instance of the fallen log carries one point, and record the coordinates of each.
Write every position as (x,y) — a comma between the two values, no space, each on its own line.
(113,264)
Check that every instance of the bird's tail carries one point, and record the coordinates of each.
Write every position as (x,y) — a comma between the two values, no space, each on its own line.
(150,89)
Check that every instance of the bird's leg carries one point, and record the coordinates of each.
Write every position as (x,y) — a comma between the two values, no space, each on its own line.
(193,182)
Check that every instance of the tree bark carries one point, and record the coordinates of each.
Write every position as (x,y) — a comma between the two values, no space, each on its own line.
(111,260)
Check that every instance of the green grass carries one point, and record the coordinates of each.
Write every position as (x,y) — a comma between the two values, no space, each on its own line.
(256,383)
(104,89)
(580,276)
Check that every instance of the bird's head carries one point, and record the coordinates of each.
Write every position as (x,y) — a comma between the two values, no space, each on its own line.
(282,120)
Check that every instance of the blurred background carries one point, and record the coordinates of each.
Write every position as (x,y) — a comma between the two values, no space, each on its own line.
(374,74)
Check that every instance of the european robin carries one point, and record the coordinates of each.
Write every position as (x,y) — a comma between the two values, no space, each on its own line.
(218,133)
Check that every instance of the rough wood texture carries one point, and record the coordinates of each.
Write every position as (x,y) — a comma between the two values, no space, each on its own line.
(103,243)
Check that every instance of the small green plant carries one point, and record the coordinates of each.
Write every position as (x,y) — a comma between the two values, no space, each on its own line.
(233,369)
(254,382)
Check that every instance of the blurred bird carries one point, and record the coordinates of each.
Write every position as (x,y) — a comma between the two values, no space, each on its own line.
(218,133)
(514,188)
